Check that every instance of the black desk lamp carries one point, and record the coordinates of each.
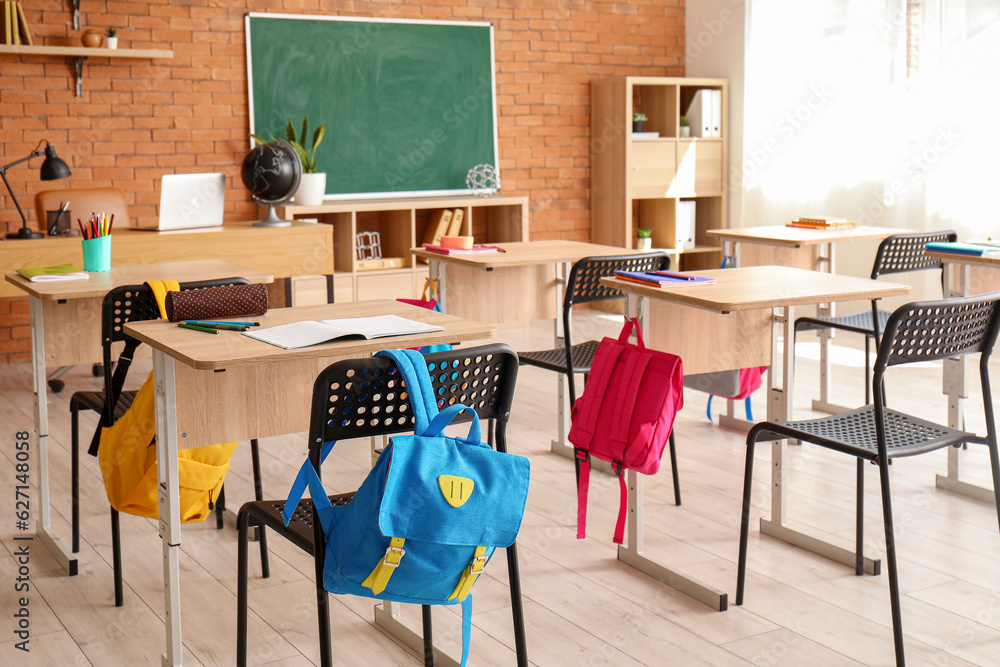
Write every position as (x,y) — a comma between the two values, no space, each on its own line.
(53,168)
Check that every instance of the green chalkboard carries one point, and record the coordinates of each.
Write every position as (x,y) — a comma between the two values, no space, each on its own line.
(409,107)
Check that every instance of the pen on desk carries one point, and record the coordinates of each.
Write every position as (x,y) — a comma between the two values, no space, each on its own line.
(672,274)
(222,326)
(184,325)
(207,322)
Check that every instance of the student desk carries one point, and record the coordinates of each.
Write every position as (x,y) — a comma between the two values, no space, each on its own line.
(66,330)
(238,388)
(509,289)
(302,249)
(805,249)
(964,275)
(741,320)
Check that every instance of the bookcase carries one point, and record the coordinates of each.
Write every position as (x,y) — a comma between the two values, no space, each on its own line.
(402,224)
(655,182)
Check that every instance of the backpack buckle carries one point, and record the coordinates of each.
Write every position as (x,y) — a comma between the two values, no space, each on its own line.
(581,454)
(393,555)
(616,467)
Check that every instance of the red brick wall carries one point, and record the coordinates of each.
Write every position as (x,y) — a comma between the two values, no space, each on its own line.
(139,119)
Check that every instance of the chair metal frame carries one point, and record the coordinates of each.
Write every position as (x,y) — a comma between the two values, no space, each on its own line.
(121,305)
(899,253)
(915,332)
(482,378)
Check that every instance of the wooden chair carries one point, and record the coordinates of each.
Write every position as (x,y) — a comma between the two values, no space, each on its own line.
(915,332)
(124,304)
(486,384)
(83,202)
(899,253)
(584,286)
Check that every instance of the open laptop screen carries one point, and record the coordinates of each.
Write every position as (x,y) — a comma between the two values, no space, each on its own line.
(191,201)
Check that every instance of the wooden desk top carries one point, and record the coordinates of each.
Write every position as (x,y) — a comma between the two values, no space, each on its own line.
(231,349)
(959,258)
(799,236)
(527,253)
(305,248)
(757,287)
(99,284)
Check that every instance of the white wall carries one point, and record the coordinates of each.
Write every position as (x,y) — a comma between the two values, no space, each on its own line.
(714,47)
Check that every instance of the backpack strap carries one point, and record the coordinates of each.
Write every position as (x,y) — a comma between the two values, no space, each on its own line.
(582,488)
(160,289)
(305,478)
(413,370)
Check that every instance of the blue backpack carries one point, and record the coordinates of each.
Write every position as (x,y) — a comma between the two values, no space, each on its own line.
(430,514)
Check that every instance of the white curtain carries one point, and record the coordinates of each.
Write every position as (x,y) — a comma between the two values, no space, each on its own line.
(833,125)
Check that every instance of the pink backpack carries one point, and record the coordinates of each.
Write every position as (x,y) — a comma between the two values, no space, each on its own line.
(625,414)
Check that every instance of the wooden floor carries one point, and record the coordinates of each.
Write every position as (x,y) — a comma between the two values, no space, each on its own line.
(583,607)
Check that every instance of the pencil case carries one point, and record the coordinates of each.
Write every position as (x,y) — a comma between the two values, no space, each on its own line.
(212,303)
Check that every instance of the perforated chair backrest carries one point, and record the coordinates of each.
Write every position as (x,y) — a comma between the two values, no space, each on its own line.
(934,330)
(357,398)
(902,253)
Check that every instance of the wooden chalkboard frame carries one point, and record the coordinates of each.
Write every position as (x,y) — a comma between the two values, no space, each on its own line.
(439,175)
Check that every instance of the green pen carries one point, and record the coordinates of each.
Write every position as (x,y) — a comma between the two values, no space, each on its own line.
(212,322)
(225,326)
(185,325)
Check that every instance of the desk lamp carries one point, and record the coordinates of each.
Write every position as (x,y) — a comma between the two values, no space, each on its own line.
(53,168)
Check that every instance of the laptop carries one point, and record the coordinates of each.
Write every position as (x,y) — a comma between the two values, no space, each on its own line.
(191,202)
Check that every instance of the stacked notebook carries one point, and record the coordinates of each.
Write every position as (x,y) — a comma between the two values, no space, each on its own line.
(970,248)
(663,278)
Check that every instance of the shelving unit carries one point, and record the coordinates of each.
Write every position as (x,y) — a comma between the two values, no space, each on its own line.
(81,53)
(401,224)
(639,182)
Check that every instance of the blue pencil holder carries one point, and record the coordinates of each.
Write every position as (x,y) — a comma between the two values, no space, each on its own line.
(97,254)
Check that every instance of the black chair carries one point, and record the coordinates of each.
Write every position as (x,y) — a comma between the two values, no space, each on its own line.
(923,331)
(583,285)
(899,253)
(487,385)
(124,304)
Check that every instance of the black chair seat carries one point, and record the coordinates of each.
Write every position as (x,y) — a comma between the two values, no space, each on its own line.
(555,360)
(854,433)
(300,529)
(94,400)
(856,322)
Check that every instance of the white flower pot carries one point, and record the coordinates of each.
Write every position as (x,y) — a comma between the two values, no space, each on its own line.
(312,187)
(644,244)
(685,130)
(111,42)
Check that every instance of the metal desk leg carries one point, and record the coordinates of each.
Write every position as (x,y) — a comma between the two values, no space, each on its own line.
(387,618)
(955,381)
(632,554)
(43,528)
(169,499)
(779,409)
(827,261)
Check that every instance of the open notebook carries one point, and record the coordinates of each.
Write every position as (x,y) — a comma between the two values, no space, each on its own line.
(310,332)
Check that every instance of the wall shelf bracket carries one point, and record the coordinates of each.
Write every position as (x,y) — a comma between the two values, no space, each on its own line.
(76,14)
(79,75)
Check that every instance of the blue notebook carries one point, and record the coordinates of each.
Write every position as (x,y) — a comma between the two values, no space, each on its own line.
(664,278)
(963,248)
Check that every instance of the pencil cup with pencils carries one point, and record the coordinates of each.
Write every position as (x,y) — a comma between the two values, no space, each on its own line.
(96,242)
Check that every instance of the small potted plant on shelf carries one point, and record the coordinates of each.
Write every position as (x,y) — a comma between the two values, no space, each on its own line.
(638,119)
(645,241)
(111,41)
(685,126)
(312,186)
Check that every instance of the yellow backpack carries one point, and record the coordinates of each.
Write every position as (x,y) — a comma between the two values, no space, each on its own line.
(127,456)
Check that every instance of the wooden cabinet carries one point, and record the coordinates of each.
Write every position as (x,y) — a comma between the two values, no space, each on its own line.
(652,181)
(401,225)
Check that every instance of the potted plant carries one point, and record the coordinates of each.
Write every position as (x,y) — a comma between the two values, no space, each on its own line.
(312,186)
(112,38)
(638,119)
(645,241)
(685,126)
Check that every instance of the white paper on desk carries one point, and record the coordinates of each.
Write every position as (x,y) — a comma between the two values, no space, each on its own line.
(310,332)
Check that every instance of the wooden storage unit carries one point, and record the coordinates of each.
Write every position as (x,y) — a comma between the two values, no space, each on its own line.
(640,182)
(401,224)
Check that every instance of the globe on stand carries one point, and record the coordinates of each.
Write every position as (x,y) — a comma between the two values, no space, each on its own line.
(271,172)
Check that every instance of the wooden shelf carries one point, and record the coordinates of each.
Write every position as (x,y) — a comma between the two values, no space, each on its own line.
(81,53)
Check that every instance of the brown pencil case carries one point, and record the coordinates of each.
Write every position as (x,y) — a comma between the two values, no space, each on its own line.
(212,303)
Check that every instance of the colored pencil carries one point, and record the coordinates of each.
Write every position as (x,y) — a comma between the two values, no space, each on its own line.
(197,328)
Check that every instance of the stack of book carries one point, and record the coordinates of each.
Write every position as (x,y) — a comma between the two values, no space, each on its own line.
(474,250)
(663,278)
(15,27)
(822,223)
(974,248)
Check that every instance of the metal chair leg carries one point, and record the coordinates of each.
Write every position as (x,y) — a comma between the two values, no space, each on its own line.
(890,557)
(859,529)
(258,491)
(517,606)
(673,470)
(74,411)
(220,509)
(116,557)
(242,522)
(741,571)
(425,615)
